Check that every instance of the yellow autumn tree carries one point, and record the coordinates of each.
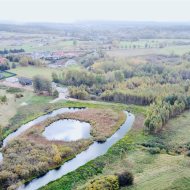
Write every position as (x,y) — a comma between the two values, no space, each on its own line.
(57,155)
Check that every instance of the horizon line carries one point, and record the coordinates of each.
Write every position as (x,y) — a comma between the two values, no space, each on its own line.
(92,20)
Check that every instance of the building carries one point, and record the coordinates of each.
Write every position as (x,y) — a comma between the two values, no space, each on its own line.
(25,81)
(70,62)
(3,60)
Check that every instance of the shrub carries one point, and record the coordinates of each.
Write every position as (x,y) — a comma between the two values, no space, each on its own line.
(13,65)
(14,90)
(3,99)
(154,150)
(78,93)
(56,94)
(125,178)
(19,95)
(188,153)
(103,183)
(154,143)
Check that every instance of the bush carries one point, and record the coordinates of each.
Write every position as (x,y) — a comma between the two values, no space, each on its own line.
(19,95)
(155,143)
(79,93)
(13,65)
(188,153)
(103,183)
(3,99)
(125,178)
(55,94)
(154,150)
(4,66)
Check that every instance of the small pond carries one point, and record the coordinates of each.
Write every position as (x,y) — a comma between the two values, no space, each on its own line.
(67,130)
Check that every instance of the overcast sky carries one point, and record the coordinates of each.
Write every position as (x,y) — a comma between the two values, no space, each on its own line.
(75,10)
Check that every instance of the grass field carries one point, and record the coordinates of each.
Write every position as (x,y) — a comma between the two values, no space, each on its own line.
(39,42)
(179,50)
(160,171)
(6,74)
(13,105)
(32,71)
(152,43)
(164,171)
(55,45)
(177,131)
(7,110)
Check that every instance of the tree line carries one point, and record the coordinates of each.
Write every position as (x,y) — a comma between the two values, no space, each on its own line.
(161,111)
(6,51)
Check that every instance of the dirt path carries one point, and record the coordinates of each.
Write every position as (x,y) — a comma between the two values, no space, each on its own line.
(63,94)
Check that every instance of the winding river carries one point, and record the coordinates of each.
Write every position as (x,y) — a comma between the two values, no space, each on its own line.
(94,150)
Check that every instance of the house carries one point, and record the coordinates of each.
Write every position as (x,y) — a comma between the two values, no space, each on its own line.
(63,54)
(25,81)
(1,76)
(3,60)
(62,63)
(40,55)
(70,62)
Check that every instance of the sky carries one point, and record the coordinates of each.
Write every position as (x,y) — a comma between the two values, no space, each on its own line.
(82,10)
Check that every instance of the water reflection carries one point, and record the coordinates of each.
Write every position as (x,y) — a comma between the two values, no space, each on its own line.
(67,130)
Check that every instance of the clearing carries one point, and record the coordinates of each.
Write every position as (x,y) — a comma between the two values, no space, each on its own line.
(31,71)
